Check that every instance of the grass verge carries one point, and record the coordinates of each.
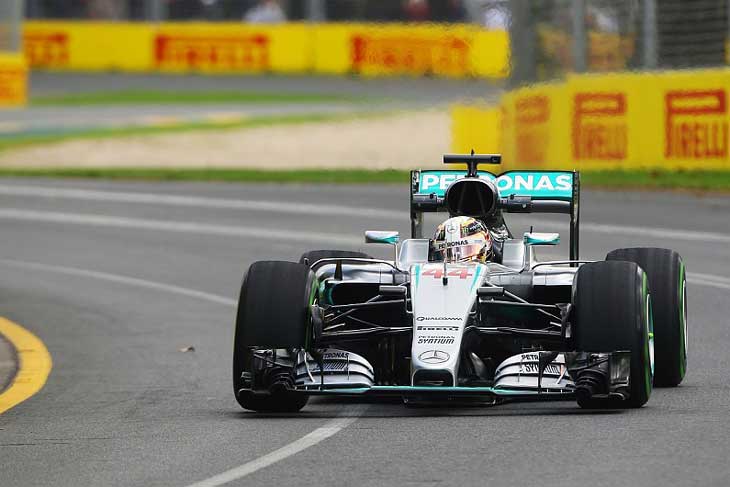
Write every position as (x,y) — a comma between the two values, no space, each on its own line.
(132,97)
(714,181)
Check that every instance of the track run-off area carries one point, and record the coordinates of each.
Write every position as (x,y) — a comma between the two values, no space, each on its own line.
(132,288)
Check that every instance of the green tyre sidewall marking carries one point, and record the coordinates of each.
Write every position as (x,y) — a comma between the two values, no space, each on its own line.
(683,321)
(308,336)
(649,329)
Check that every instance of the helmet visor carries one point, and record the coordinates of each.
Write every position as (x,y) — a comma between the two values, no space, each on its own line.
(462,253)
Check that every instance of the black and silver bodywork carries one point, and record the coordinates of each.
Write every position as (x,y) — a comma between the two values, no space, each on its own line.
(427,331)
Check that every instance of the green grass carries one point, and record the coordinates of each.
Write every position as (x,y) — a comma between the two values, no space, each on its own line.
(132,97)
(716,181)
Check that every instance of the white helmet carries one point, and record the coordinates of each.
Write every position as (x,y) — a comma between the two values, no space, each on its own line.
(462,239)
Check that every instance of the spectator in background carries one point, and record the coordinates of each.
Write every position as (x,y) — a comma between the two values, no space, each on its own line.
(447,10)
(497,15)
(265,12)
(107,9)
(417,10)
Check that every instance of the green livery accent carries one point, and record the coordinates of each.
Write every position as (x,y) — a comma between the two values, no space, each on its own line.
(308,338)
(440,391)
(682,332)
(476,277)
(416,275)
(649,375)
(536,184)
(541,239)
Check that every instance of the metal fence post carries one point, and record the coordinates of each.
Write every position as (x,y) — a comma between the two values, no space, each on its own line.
(523,40)
(649,34)
(580,37)
(155,10)
(315,10)
(11,21)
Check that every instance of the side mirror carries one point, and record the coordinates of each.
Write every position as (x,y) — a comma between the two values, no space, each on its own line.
(533,238)
(377,236)
(391,238)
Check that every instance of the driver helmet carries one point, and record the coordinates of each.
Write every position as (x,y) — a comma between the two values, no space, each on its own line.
(462,239)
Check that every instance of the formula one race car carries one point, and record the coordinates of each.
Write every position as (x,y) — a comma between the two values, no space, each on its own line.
(438,324)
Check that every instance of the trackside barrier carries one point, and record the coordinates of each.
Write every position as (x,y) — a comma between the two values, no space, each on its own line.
(677,120)
(453,50)
(13,80)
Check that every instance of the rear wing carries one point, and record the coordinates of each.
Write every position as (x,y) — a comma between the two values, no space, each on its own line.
(519,192)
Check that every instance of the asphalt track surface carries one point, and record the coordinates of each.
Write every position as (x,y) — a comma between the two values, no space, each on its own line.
(117,278)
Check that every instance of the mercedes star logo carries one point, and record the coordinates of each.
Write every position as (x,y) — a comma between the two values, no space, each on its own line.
(434,357)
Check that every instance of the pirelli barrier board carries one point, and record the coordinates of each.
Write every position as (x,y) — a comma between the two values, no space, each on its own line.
(670,120)
(13,80)
(366,49)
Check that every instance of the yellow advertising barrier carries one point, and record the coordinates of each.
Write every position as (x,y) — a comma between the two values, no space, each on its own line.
(456,50)
(476,128)
(171,47)
(666,120)
(13,80)
(365,49)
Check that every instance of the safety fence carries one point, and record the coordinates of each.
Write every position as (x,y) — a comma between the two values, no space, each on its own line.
(448,50)
(675,120)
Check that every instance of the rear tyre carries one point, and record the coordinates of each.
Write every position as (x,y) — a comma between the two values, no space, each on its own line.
(668,288)
(612,311)
(273,313)
(314,255)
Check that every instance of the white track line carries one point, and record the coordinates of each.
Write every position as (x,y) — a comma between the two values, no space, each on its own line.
(320,434)
(711,280)
(173,226)
(330,428)
(119,279)
(298,208)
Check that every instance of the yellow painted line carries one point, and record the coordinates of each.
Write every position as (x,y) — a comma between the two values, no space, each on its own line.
(34,364)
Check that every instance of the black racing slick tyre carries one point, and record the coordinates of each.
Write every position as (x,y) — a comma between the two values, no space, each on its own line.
(273,313)
(313,256)
(668,289)
(612,312)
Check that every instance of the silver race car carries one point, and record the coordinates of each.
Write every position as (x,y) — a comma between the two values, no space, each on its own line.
(469,316)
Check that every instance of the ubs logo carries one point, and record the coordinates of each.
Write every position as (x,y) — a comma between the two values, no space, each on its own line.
(434,357)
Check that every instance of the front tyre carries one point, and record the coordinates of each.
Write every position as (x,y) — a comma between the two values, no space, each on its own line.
(274,315)
(668,288)
(612,312)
